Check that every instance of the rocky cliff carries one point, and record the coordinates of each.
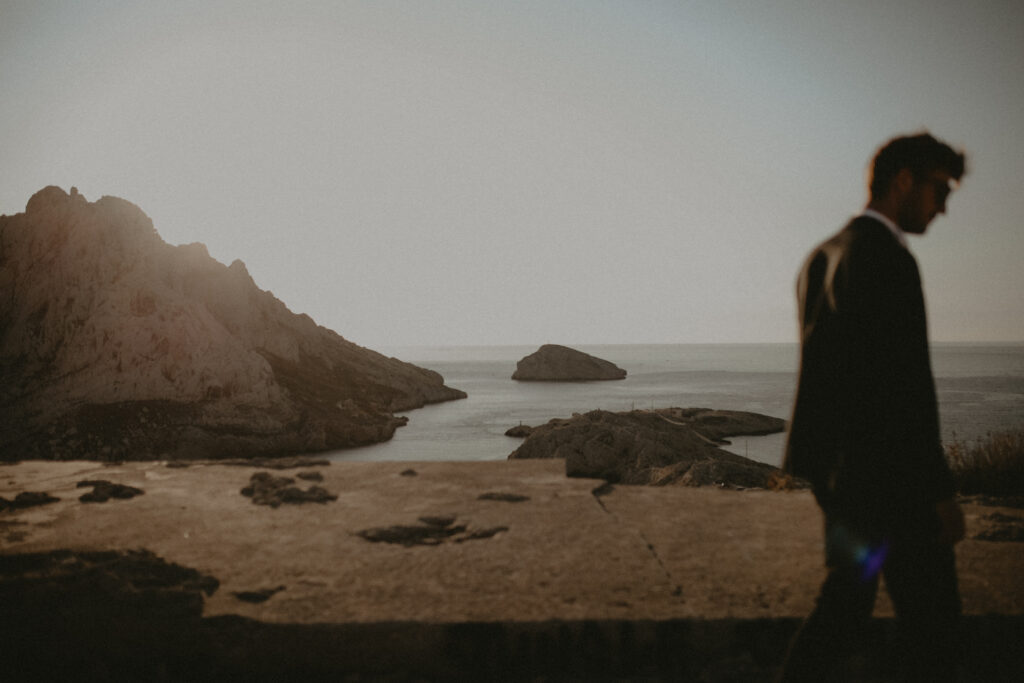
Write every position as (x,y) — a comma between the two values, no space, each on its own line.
(554,363)
(116,345)
(666,446)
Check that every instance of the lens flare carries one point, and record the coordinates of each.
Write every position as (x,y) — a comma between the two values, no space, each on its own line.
(848,548)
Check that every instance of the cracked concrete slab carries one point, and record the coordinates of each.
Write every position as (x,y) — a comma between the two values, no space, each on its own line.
(562,551)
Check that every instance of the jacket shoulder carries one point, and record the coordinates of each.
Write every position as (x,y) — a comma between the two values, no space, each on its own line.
(865,232)
(863,240)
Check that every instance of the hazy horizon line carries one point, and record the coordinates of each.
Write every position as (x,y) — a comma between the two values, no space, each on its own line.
(943,342)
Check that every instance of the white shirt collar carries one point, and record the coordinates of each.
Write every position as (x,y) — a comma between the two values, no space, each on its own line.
(896,231)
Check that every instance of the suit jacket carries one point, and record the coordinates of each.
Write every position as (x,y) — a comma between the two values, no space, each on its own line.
(865,427)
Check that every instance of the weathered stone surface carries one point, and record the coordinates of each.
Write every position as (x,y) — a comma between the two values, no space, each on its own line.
(432,531)
(27,499)
(718,425)
(266,489)
(668,446)
(103,490)
(643,583)
(1003,528)
(119,580)
(503,497)
(409,535)
(258,596)
(98,615)
(115,345)
(554,363)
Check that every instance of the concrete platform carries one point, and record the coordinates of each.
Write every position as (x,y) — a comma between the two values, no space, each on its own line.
(505,570)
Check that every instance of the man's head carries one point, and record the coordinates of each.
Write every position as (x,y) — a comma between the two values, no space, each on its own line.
(910,179)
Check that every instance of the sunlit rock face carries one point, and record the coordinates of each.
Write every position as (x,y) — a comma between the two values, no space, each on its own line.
(116,345)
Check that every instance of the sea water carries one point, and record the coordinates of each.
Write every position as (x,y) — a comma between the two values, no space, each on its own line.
(980,389)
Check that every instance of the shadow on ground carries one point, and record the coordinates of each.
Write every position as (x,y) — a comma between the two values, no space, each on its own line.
(129,615)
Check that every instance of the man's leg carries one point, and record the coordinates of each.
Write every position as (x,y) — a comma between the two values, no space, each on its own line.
(921,580)
(844,606)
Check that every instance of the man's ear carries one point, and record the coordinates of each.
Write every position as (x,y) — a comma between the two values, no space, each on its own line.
(903,182)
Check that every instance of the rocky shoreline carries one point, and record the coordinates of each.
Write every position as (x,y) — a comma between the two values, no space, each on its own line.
(668,446)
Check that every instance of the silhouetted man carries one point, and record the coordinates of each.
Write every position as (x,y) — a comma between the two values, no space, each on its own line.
(865,427)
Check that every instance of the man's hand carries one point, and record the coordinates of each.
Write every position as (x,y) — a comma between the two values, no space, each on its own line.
(951,521)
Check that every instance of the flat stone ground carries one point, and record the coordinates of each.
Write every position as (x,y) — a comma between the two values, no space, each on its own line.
(514,561)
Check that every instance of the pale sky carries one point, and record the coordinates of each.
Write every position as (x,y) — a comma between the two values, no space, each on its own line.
(519,172)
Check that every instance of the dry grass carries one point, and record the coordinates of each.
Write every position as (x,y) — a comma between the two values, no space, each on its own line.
(992,466)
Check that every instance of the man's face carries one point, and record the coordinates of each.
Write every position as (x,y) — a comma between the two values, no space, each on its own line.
(925,200)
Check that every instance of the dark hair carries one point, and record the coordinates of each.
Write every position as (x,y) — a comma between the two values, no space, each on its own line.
(920,153)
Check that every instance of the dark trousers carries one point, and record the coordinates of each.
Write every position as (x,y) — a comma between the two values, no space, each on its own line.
(920,577)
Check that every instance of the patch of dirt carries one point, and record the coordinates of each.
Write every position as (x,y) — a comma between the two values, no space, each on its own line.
(13,530)
(103,490)
(27,499)
(503,497)
(430,531)
(1016,502)
(266,489)
(101,616)
(139,575)
(258,596)
(1004,528)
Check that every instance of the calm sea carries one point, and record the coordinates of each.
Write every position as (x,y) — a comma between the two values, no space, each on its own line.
(981,390)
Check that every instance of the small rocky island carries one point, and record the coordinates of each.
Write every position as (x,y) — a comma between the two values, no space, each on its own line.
(115,345)
(554,363)
(657,447)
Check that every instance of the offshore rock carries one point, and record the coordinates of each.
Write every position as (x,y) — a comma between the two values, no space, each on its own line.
(554,363)
(115,345)
(668,446)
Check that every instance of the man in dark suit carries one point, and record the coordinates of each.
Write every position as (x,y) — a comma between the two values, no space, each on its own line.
(865,427)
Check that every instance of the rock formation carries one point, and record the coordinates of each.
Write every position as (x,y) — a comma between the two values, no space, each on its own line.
(554,363)
(103,490)
(116,345)
(27,499)
(520,431)
(668,446)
